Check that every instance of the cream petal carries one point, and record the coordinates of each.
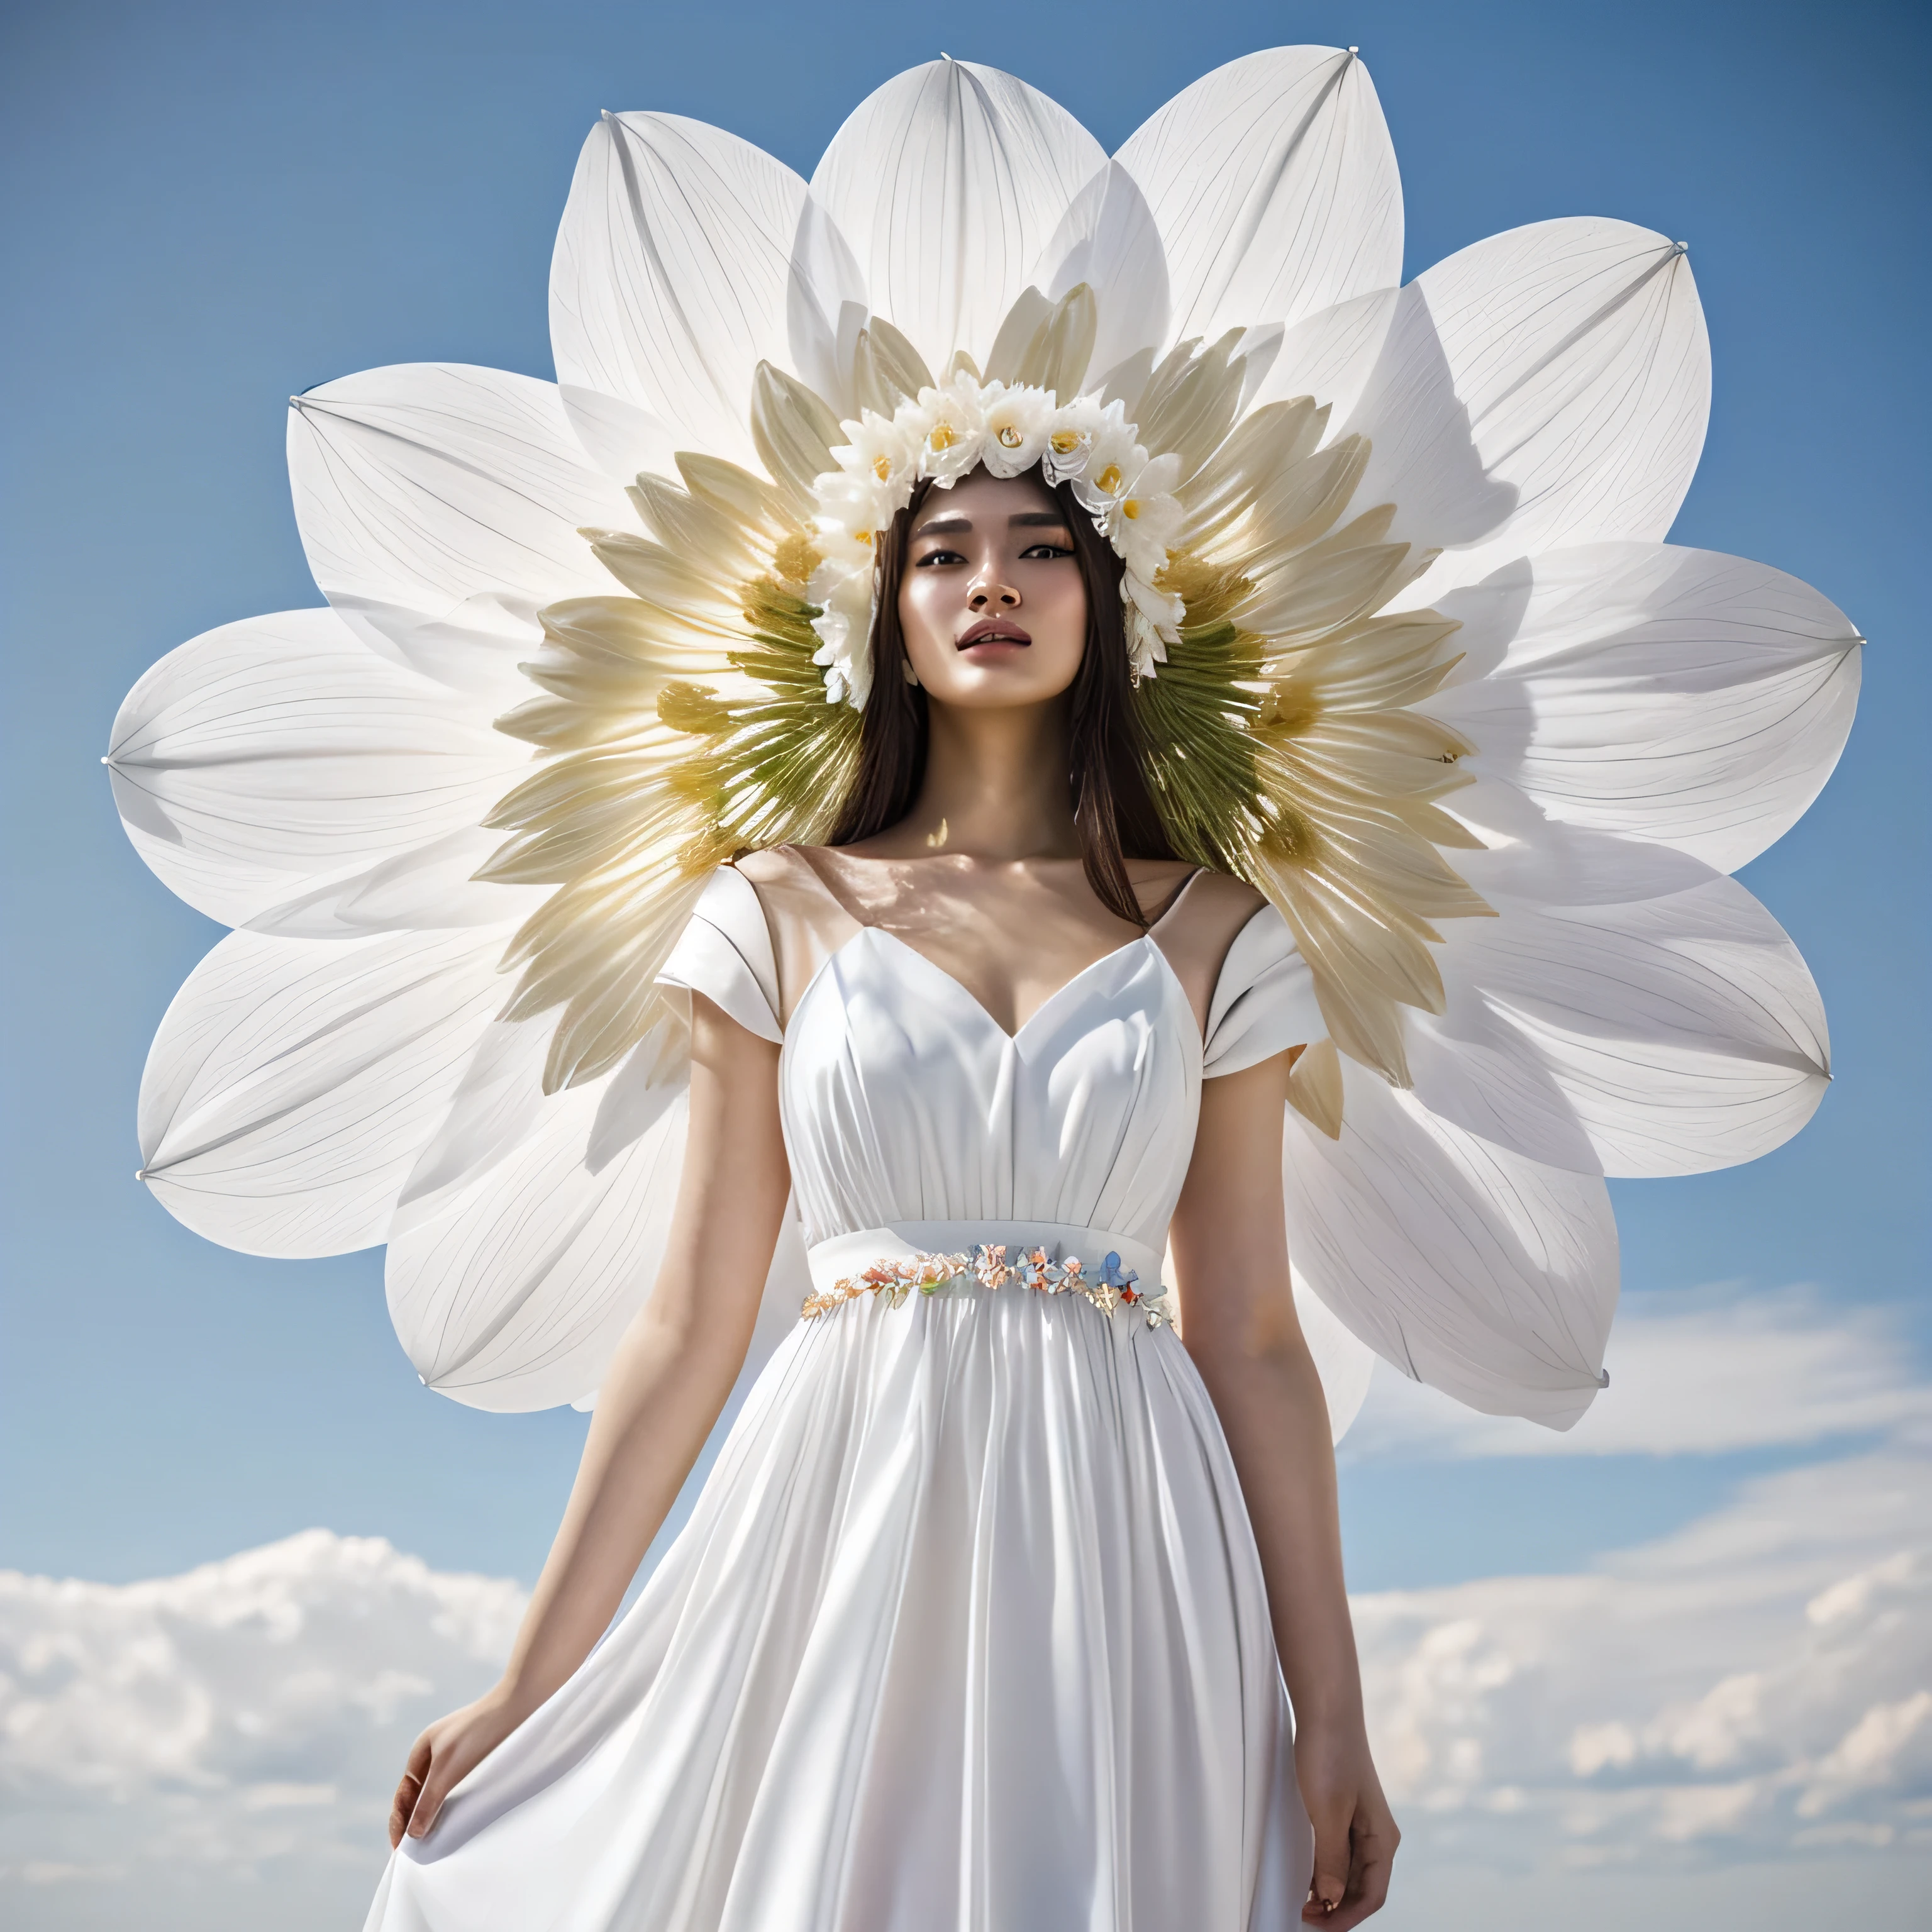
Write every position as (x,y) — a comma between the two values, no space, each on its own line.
(292,1083)
(1108,239)
(668,285)
(259,760)
(947,182)
(1273,183)
(1548,386)
(1683,1030)
(439,505)
(1675,695)
(1486,1275)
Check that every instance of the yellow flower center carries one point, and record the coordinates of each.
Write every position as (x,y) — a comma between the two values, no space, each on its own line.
(1065,442)
(863,536)
(1130,508)
(1011,437)
(1109,478)
(882,467)
(943,436)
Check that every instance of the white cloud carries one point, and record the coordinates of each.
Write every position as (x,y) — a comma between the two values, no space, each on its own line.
(1694,1373)
(1758,1686)
(223,1743)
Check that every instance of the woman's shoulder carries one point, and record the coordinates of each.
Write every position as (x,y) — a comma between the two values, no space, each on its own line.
(1205,895)
(770,866)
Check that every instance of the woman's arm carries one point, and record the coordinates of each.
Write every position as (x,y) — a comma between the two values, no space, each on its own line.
(1239,1324)
(667,1382)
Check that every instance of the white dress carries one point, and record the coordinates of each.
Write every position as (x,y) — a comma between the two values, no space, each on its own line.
(968,1630)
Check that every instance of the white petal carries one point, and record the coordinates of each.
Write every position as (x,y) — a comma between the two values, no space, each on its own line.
(1675,695)
(1473,1067)
(293,1083)
(825,308)
(433,885)
(1333,354)
(623,440)
(1274,185)
(1684,1030)
(510,1289)
(259,759)
(531,1231)
(1108,239)
(947,182)
(1529,859)
(440,505)
(668,284)
(1488,1275)
(1546,386)
(1346,1365)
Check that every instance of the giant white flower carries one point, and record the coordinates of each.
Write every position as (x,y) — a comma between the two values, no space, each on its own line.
(1505,743)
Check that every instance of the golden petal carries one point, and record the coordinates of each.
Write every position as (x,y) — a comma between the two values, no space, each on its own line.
(1315,592)
(1014,337)
(1057,356)
(715,543)
(750,501)
(1304,503)
(795,432)
(887,369)
(1265,446)
(1189,405)
(1315,1087)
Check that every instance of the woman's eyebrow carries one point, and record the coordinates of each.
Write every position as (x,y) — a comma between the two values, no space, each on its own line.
(1045,520)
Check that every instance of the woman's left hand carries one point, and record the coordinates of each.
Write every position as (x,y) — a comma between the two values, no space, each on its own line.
(1355,1833)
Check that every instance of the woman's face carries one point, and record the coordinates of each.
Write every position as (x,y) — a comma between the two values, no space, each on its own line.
(992,603)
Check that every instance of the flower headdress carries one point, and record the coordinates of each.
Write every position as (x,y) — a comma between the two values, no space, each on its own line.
(943,434)
(1427,675)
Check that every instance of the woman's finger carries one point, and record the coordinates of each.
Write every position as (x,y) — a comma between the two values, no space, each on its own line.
(1373,1854)
(409,1788)
(399,1811)
(1330,1884)
(437,1786)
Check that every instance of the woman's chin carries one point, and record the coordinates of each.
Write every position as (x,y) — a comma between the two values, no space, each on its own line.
(998,675)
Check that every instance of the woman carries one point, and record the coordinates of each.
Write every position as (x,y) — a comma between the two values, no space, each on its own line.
(1002,1641)
(820,687)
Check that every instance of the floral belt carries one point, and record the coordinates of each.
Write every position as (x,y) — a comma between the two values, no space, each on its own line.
(1045,1268)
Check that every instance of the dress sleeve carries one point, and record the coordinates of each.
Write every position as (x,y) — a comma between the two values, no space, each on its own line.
(1264,1000)
(725,953)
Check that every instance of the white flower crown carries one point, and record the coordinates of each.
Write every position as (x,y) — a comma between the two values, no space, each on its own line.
(945,433)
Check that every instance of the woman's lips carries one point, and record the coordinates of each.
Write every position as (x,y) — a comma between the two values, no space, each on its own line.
(994,631)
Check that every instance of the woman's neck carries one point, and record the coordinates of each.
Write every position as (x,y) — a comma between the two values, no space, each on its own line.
(995,788)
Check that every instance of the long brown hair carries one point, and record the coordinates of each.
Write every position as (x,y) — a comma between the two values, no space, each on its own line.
(1114,810)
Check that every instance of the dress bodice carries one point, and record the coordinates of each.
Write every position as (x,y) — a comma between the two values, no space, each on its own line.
(903,1100)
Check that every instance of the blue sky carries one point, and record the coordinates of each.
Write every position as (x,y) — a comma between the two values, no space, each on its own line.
(210,206)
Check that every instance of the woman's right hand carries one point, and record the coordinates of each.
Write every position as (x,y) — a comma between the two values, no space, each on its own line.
(445,1754)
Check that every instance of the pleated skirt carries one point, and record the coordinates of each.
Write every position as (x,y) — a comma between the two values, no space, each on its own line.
(966,1632)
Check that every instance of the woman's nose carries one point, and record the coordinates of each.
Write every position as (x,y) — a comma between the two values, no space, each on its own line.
(988,590)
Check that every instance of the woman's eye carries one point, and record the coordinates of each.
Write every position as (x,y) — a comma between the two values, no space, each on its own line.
(1040,552)
(938,556)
